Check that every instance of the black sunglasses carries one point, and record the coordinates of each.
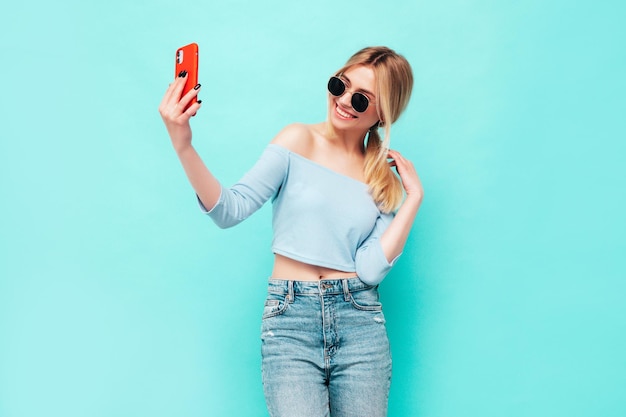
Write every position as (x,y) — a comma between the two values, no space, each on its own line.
(337,87)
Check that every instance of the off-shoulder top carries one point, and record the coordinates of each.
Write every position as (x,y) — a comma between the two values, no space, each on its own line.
(320,217)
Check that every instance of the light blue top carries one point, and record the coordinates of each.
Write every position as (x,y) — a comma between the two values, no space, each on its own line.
(320,216)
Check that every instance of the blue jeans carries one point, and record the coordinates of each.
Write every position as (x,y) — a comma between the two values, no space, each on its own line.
(325,350)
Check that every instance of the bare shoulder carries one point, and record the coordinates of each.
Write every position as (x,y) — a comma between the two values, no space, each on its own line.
(297,137)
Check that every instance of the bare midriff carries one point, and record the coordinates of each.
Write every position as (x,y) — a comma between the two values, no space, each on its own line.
(290,269)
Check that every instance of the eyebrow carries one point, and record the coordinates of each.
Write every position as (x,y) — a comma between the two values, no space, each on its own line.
(361,89)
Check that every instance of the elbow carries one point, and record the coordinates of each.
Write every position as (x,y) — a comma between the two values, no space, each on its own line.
(372,274)
(225,223)
(371,279)
(223,226)
(222,217)
(372,265)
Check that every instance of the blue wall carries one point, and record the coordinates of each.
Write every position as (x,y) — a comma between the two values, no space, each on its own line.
(118,298)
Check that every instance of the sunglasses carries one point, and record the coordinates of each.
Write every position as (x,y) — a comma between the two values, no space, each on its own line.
(337,88)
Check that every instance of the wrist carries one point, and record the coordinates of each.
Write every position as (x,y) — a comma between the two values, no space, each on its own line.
(413,200)
(414,197)
(180,137)
(183,148)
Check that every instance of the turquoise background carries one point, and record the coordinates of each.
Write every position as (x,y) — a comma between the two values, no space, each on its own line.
(118,298)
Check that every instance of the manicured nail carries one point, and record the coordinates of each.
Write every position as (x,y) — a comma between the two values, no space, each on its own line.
(182,73)
(196,87)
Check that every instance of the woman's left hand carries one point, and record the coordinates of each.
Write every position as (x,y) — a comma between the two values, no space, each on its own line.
(410,180)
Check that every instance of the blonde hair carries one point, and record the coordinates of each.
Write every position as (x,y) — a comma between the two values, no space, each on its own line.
(394,82)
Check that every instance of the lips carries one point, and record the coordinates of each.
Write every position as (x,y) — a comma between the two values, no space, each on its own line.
(343,114)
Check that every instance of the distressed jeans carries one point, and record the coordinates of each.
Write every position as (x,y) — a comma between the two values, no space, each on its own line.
(325,350)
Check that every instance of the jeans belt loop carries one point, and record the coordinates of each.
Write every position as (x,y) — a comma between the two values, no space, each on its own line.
(290,296)
(346,289)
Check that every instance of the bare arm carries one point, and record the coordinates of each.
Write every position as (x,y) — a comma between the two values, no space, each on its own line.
(176,121)
(394,238)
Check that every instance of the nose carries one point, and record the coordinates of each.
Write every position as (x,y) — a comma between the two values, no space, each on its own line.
(345,99)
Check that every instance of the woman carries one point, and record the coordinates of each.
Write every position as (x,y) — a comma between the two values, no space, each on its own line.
(340,221)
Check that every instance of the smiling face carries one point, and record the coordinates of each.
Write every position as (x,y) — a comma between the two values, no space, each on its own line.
(341,114)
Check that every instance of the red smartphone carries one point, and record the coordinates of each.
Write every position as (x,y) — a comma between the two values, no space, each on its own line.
(187,60)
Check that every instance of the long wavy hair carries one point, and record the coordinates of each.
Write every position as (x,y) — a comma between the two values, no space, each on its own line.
(394,82)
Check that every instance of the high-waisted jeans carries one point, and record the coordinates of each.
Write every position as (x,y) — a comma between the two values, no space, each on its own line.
(325,350)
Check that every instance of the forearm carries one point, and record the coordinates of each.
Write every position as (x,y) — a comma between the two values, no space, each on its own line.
(206,186)
(395,237)
(176,121)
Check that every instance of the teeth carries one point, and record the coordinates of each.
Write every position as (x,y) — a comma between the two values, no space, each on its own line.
(343,113)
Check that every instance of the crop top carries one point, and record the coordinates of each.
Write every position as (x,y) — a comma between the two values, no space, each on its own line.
(320,217)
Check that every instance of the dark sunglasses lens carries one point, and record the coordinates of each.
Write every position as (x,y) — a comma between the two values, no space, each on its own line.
(360,102)
(336,87)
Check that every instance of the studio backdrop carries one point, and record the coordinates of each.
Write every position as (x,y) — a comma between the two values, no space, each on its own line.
(119,298)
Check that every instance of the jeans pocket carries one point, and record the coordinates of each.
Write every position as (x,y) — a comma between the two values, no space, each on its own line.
(366,300)
(274,305)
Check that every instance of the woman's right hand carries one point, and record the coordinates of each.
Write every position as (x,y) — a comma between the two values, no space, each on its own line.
(171,109)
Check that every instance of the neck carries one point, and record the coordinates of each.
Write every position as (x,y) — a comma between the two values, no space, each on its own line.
(350,141)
